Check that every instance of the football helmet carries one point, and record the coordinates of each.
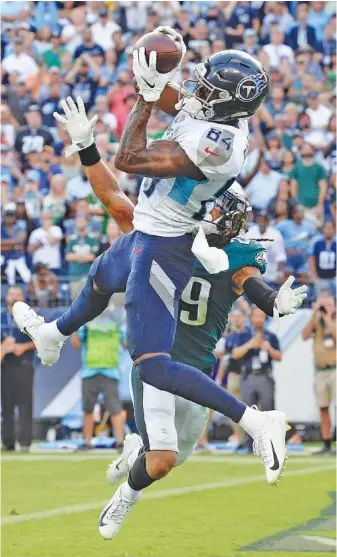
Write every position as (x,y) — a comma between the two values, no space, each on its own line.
(228,218)
(231,84)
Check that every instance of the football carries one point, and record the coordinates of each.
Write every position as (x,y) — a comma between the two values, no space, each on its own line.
(168,51)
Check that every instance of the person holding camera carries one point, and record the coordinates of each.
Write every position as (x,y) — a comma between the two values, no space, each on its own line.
(322,328)
(256,355)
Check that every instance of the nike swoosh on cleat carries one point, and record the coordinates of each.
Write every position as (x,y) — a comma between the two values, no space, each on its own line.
(276,464)
(117,465)
(100,522)
(24,330)
(149,84)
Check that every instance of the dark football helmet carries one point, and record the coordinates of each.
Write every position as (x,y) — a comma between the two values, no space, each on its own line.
(230,217)
(229,85)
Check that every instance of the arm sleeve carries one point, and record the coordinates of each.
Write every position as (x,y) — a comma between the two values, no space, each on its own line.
(260,294)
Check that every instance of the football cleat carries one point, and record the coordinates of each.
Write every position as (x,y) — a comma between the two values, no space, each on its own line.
(120,467)
(270,444)
(114,514)
(34,326)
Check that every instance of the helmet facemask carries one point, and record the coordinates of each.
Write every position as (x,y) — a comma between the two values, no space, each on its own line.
(232,220)
(201,102)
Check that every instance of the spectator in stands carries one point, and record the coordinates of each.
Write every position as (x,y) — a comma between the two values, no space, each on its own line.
(244,16)
(13,237)
(55,78)
(52,57)
(100,342)
(33,137)
(288,162)
(309,185)
(283,194)
(103,29)
(24,220)
(102,109)
(45,243)
(80,253)
(318,18)
(277,50)
(297,233)
(33,198)
(17,372)
(328,44)
(318,113)
(263,187)
(50,105)
(322,260)
(47,14)
(56,201)
(18,99)
(301,34)
(332,196)
(250,42)
(19,61)
(79,186)
(113,232)
(88,45)
(274,244)
(322,328)
(43,287)
(260,348)
(277,103)
(80,82)
(278,14)
(274,151)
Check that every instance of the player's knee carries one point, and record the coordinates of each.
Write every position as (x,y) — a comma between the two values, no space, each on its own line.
(150,367)
(160,463)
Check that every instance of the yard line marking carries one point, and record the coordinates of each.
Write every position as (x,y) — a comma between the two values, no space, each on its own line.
(221,458)
(159,494)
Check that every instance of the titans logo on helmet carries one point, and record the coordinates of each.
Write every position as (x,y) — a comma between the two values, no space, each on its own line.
(250,87)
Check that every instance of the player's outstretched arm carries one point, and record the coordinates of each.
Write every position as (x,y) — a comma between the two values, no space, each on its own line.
(274,303)
(160,159)
(106,188)
(99,175)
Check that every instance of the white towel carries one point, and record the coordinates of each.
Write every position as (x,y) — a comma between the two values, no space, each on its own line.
(213,259)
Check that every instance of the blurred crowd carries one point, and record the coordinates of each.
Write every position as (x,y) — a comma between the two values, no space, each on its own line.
(53,226)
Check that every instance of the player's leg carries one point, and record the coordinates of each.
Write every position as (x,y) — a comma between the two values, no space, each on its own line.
(190,421)
(160,272)
(108,274)
(154,287)
(154,414)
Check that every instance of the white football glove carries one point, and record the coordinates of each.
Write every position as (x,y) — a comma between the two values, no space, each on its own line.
(175,36)
(150,82)
(288,300)
(77,125)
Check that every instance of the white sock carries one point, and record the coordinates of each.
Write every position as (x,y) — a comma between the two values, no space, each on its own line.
(252,421)
(51,331)
(129,493)
(133,457)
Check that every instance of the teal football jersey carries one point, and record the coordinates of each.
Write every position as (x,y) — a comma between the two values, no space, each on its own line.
(206,303)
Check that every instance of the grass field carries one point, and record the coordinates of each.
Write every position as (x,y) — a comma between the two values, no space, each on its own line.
(213,506)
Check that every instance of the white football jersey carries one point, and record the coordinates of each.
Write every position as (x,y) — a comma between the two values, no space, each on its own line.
(173,206)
